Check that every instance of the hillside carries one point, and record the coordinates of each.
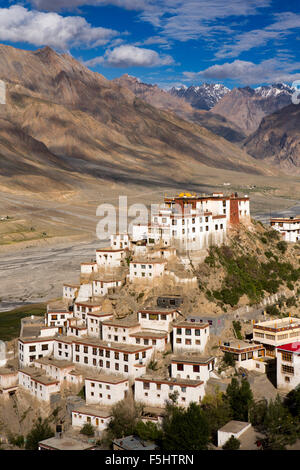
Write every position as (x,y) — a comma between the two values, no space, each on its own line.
(246,107)
(277,139)
(172,102)
(88,128)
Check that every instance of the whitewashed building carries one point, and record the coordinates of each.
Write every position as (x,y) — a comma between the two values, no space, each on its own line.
(98,417)
(190,336)
(119,330)
(155,391)
(105,389)
(288,366)
(54,368)
(126,359)
(273,333)
(146,269)
(288,227)
(94,322)
(109,257)
(70,291)
(158,318)
(120,241)
(30,349)
(192,367)
(247,355)
(37,384)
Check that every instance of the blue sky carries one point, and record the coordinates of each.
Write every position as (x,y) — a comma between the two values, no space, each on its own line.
(168,42)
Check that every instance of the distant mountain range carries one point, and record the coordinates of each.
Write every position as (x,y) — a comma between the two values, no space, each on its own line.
(246,107)
(204,96)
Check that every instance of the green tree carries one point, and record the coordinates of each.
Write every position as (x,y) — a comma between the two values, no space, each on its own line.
(148,431)
(279,426)
(274,420)
(217,412)
(292,402)
(40,431)
(125,415)
(240,398)
(231,444)
(88,430)
(185,429)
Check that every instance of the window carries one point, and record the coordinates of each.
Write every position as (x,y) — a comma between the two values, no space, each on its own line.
(286,356)
(179,331)
(180,367)
(287,369)
(44,347)
(188,331)
(31,348)
(196,368)
(85,349)
(146,386)
(243,357)
(197,332)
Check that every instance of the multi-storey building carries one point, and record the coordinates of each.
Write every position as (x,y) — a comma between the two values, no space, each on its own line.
(273,333)
(190,336)
(192,367)
(105,389)
(248,355)
(38,384)
(288,227)
(155,391)
(288,366)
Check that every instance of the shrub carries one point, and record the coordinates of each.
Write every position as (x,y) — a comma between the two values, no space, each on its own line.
(282,246)
(88,430)
(231,444)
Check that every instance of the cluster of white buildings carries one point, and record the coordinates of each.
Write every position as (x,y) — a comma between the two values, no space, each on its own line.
(82,342)
(275,344)
(288,227)
(62,354)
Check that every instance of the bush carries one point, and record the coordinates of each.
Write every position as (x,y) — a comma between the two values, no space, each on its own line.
(88,430)
(231,444)
(229,359)
(17,440)
(282,246)
(40,431)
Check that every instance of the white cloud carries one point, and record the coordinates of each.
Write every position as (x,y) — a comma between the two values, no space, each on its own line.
(18,24)
(57,5)
(248,73)
(286,23)
(131,56)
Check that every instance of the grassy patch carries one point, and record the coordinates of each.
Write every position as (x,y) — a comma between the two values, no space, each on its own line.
(10,321)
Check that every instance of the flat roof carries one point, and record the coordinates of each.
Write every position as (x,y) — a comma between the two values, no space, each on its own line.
(98,411)
(150,334)
(66,443)
(292,347)
(234,427)
(91,341)
(170,380)
(54,362)
(7,371)
(128,321)
(193,359)
(134,443)
(37,376)
(190,324)
(106,378)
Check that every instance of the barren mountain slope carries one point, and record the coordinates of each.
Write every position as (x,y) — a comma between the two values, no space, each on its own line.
(277,140)
(246,107)
(96,130)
